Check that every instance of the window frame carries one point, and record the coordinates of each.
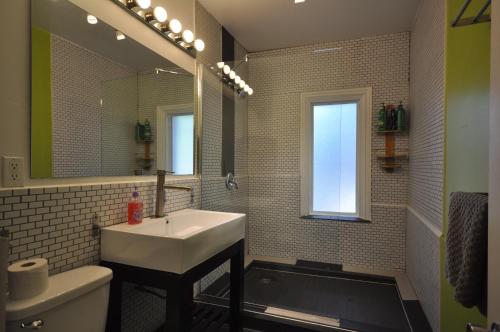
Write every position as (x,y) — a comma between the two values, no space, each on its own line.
(363,97)
(164,133)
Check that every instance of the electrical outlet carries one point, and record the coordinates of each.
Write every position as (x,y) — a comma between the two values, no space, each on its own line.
(13,171)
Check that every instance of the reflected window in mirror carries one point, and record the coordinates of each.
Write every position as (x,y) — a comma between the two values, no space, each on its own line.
(175,138)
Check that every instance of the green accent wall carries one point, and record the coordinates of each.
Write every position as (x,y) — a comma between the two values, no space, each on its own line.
(467,107)
(41,105)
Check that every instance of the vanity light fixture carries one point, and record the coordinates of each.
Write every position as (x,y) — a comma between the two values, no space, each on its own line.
(119,35)
(157,19)
(229,77)
(300,1)
(144,4)
(91,19)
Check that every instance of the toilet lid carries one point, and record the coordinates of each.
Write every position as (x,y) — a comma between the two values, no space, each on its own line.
(63,287)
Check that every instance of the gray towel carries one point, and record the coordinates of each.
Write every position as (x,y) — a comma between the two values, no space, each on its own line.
(466,248)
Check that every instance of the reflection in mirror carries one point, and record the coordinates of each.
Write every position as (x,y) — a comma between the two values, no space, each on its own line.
(175,139)
(97,97)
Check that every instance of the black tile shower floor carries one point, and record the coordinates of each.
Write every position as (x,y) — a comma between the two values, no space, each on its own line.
(357,302)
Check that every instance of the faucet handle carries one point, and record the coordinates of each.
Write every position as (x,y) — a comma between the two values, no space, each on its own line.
(231,183)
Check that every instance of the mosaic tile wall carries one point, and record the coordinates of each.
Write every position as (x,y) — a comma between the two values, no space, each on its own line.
(278,78)
(426,180)
(77,113)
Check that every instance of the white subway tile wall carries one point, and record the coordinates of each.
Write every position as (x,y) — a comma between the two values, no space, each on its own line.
(278,78)
(119,114)
(215,195)
(78,127)
(56,222)
(426,180)
(423,267)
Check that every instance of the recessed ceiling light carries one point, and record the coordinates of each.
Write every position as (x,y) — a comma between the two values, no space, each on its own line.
(300,1)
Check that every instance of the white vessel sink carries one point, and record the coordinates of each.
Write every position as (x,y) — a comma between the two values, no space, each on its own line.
(188,238)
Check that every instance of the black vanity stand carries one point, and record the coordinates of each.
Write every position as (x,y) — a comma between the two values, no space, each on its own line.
(179,289)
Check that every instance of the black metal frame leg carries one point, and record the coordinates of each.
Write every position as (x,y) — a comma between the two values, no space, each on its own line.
(236,289)
(179,309)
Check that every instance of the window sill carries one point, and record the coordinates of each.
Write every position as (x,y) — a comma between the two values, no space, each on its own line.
(336,218)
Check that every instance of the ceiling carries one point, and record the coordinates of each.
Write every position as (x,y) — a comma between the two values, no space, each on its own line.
(270,24)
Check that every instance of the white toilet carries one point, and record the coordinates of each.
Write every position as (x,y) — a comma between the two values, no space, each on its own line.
(75,301)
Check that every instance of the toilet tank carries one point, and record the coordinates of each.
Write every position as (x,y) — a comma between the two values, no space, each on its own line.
(75,301)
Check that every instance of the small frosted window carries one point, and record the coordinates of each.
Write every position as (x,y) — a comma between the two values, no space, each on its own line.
(182,144)
(334,158)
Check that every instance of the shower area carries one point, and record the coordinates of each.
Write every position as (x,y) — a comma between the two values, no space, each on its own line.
(291,281)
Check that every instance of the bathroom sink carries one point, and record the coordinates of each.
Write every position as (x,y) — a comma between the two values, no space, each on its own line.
(174,243)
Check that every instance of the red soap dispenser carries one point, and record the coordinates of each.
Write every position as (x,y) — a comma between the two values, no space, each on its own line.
(135,209)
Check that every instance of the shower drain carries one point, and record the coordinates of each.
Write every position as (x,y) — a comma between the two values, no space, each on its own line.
(265,281)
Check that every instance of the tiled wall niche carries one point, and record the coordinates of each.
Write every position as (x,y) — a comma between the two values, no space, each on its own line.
(56,222)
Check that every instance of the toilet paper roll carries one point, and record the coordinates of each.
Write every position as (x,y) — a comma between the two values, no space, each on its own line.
(28,278)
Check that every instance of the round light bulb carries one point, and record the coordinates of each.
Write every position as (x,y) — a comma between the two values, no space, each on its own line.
(242,84)
(226,69)
(220,65)
(160,14)
(91,19)
(119,35)
(246,88)
(237,79)
(250,91)
(188,36)
(199,45)
(232,74)
(175,26)
(144,4)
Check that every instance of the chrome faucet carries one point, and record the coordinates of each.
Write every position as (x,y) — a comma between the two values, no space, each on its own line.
(231,183)
(160,192)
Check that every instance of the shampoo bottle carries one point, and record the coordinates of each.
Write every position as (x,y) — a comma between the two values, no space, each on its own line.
(135,209)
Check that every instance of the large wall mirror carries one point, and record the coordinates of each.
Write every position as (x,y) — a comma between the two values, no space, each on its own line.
(102,104)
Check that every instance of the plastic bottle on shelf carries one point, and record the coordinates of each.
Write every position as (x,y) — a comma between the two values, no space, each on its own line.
(401,117)
(382,118)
